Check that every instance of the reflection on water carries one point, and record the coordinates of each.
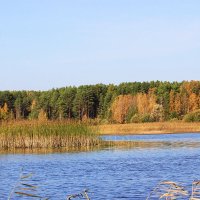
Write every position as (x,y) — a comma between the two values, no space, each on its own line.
(49,150)
(128,172)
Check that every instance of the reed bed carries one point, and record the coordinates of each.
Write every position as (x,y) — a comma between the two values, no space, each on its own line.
(46,135)
(150,128)
(70,135)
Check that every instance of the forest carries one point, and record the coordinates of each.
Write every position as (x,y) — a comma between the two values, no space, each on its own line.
(131,102)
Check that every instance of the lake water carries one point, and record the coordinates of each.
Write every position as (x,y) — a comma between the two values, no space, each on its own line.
(110,174)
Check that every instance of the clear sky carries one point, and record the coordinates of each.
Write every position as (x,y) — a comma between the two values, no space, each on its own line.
(47,44)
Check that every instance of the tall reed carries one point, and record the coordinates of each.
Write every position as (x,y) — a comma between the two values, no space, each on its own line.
(46,135)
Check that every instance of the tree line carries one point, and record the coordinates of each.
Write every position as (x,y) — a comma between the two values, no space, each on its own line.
(123,103)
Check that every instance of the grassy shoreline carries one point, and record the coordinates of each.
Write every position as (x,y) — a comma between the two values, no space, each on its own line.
(149,128)
(67,136)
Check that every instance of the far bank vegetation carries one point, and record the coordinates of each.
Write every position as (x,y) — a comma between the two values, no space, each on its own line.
(134,102)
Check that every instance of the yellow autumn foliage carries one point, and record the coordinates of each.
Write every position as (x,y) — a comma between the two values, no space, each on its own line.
(143,103)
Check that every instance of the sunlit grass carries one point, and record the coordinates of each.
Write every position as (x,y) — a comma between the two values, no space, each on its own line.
(150,128)
(33,134)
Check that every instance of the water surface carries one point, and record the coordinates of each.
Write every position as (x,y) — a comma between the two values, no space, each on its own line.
(183,137)
(108,173)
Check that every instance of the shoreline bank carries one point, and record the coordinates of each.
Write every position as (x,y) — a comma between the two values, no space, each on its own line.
(149,128)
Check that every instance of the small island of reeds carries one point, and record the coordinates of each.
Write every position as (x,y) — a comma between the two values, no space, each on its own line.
(35,134)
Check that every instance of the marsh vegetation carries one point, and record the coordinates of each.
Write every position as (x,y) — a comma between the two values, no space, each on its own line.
(150,128)
(34,134)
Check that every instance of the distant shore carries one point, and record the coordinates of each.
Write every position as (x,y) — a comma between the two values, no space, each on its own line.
(149,128)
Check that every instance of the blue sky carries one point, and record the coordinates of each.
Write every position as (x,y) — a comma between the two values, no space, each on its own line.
(47,44)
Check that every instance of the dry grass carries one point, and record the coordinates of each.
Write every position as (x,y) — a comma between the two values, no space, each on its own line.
(168,190)
(150,128)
